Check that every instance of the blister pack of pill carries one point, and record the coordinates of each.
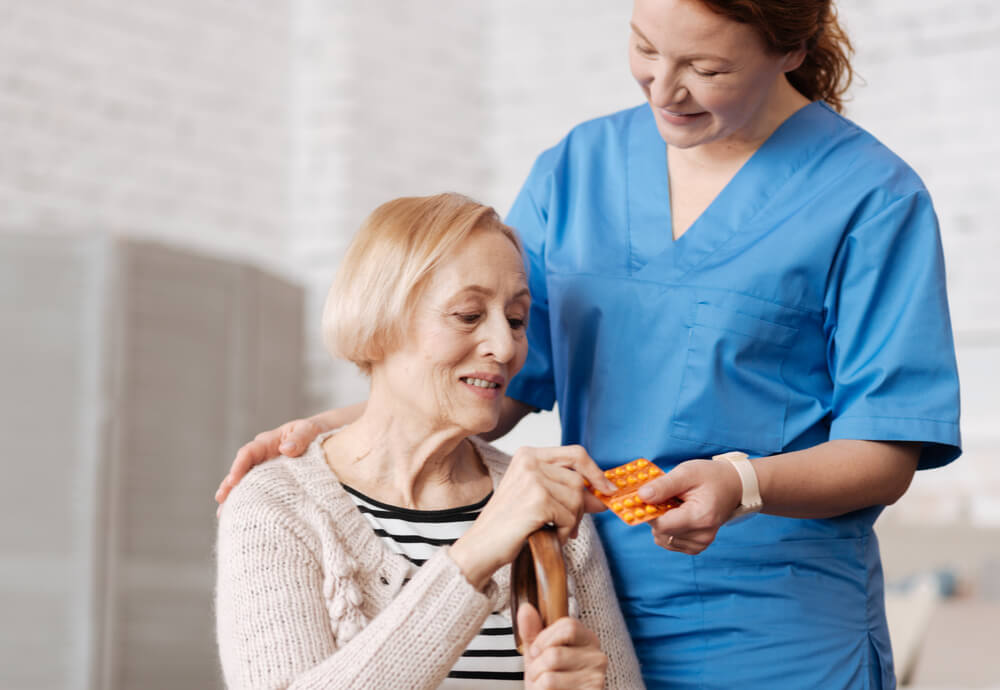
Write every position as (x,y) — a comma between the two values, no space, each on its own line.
(625,502)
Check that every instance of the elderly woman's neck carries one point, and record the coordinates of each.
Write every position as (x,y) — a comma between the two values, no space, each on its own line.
(403,461)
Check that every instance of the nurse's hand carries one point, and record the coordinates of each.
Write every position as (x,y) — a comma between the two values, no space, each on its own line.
(290,439)
(566,654)
(711,491)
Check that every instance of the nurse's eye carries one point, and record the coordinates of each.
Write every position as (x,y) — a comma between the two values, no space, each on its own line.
(645,49)
(516,324)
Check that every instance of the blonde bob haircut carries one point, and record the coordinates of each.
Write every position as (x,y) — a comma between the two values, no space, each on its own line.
(387,267)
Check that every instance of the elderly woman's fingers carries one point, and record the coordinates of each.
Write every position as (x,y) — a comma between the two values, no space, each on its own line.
(566,654)
(576,458)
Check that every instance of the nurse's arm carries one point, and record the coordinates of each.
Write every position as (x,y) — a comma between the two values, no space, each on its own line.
(511,412)
(291,439)
(824,481)
(836,477)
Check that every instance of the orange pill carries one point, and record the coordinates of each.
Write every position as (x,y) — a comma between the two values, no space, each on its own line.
(625,501)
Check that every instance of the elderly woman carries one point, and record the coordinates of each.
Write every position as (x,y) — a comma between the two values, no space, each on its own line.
(380,560)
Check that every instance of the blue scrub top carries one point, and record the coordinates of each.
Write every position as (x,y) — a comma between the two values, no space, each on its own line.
(807,303)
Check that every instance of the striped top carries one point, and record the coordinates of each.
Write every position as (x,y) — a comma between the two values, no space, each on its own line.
(491,659)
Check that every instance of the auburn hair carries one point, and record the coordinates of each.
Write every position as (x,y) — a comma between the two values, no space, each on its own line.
(788,25)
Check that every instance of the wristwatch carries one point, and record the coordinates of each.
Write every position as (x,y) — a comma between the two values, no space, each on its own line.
(751,502)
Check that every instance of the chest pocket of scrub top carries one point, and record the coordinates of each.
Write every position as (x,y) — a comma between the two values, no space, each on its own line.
(732,394)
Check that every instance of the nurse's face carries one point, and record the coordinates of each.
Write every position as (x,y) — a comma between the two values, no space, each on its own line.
(465,342)
(707,78)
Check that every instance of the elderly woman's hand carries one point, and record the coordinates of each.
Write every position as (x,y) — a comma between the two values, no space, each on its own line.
(542,486)
(711,491)
(567,654)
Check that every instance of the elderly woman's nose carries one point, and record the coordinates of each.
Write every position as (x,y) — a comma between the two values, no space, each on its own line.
(498,340)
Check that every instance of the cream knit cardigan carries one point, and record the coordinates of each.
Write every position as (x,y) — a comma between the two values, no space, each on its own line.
(308,596)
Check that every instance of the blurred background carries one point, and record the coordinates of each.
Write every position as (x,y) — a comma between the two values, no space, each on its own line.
(178,180)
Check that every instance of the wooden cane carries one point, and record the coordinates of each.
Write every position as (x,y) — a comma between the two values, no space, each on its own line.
(538,577)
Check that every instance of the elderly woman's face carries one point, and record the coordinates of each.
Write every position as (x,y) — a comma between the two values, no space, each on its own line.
(466,338)
(707,78)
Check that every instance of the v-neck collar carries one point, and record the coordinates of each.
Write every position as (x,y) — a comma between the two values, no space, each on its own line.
(651,247)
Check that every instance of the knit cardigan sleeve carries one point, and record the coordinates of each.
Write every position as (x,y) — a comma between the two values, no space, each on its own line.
(276,629)
(598,606)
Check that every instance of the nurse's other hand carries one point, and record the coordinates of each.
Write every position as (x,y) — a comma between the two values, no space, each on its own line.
(711,491)
(567,654)
(291,438)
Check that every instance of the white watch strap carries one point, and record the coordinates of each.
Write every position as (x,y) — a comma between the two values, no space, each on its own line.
(751,501)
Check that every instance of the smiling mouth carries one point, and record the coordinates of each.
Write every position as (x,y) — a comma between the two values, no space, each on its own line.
(480,383)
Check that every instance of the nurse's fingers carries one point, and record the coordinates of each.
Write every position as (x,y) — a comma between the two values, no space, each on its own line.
(672,542)
(674,484)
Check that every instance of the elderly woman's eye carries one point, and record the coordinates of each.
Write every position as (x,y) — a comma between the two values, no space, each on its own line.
(468,318)
(516,324)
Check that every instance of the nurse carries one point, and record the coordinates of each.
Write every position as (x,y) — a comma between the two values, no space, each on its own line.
(735,267)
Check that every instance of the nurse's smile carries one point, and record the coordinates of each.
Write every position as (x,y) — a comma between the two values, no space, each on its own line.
(673,118)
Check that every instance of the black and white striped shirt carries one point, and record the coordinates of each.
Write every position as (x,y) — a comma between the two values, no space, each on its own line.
(491,659)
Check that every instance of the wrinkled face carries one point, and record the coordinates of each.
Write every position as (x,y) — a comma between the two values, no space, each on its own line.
(466,338)
(707,78)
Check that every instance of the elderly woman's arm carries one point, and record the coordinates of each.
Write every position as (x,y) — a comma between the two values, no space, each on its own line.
(277,630)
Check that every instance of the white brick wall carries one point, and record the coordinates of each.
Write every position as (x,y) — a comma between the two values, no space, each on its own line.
(267,130)
(389,101)
(154,118)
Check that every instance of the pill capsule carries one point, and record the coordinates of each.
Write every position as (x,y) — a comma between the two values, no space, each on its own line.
(621,483)
(628,515)
(654,470)
(650,510)
(609,474)
(643,476)
(616,506)
(629,503)
(620,471)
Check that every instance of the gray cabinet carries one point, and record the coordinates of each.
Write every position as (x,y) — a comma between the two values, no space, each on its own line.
(130,374)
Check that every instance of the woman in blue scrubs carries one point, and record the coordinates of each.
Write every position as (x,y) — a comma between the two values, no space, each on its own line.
(735,267)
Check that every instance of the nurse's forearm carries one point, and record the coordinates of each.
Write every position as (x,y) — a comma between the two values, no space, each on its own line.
(835,477)
(511,412)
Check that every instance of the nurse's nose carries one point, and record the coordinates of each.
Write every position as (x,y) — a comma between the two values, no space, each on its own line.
(667,88)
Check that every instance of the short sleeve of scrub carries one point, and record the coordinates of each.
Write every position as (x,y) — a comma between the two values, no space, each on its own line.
(890,344)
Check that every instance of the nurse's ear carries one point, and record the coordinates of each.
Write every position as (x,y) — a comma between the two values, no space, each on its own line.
(792,60)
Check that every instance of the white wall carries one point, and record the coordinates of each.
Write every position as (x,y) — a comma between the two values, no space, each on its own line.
(150,118)
(266,130)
